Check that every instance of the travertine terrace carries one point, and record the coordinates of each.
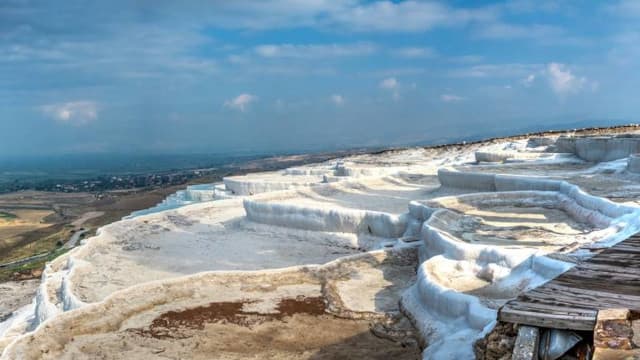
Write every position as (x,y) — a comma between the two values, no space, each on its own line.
(401,254)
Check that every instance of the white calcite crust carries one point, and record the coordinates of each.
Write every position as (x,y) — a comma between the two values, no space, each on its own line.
(479,236)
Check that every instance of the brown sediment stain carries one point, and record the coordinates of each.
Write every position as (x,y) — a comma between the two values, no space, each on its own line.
(171,325)
(301,305)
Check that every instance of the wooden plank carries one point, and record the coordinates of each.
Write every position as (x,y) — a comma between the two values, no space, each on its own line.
(600,273)
(551,309)
(577,299)
(611,279)
(592,295)
(597,266)
(547,320)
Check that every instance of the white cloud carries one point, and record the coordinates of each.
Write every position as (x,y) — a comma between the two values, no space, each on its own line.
(241,102)
(625,49)
(466,59)
(405,16)
(414,52)
(351,15)
(165,53)
(279,104)
(314,50)
(451,98)
(392,85)
(515,70)
(395,71)
(627,8)
(337,99)
(532,6)
(563,81)
(263,14)
(73,113)
(528,81)
(389,83)
(499,30)
(237,59)
(301,69)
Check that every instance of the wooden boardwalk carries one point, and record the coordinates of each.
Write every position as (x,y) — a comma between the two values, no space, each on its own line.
(610,279)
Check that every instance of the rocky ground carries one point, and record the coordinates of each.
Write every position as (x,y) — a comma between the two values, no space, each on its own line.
(16,294)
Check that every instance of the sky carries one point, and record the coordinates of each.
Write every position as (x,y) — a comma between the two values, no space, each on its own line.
(189,76)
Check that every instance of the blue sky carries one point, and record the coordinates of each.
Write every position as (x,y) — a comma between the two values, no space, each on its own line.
(277,75)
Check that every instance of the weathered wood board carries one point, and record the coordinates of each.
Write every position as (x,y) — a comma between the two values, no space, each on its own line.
(610,279)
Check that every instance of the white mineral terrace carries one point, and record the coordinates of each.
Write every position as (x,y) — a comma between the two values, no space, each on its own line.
(481,223)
